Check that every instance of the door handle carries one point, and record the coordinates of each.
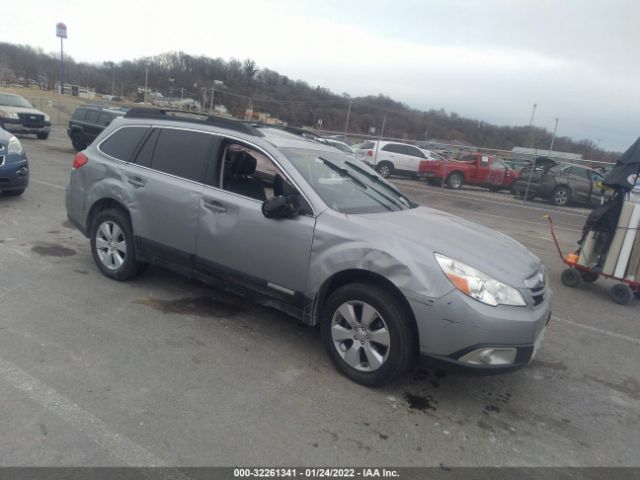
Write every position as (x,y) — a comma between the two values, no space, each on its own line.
(215,206)
(136,181)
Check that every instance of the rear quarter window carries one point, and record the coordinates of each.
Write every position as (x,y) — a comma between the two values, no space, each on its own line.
(124,142)
(79,114)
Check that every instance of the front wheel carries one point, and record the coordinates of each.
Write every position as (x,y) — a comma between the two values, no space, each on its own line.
(367,334)
(561,196)
(112,245)
(621,293)
(571,278)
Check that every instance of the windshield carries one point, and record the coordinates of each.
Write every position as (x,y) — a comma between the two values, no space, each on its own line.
(346,185)
(13,101)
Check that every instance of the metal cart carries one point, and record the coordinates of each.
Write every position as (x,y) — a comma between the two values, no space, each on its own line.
(573,276)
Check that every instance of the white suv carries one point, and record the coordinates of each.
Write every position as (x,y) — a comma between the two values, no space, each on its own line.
(392,157)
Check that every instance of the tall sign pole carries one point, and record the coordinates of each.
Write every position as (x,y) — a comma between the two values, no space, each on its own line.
(61,31)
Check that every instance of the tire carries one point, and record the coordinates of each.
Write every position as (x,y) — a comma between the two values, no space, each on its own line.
(115,263)
(455,181)
(78,144)
(42,136)
(14,193)
(621,293)
(589,277)
(371,363)
(561,196)
(384,169)
(571,278)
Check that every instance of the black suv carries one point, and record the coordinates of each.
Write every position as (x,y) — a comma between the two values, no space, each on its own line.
(87,122)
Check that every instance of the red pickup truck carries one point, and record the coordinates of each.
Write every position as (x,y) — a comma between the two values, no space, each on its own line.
(473,169)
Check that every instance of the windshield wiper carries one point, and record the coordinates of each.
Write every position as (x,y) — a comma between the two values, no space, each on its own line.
(343,172)
(405,201)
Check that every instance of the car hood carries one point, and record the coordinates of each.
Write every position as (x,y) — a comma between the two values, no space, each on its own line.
(432,231)
(8,108)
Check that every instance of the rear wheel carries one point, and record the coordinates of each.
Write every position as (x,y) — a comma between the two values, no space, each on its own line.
(455,181)
(367,334)
(571,278)
(561,196)
(112,245)
(589,277)
(384,169)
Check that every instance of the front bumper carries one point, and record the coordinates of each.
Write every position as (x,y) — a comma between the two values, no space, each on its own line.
(455,327)
(14,176)
(16,126)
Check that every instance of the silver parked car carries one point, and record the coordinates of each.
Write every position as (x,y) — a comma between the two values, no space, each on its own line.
(297,225)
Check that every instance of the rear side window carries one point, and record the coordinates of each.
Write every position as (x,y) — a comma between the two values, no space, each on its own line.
(182,153)
(413,151)
(367,145)
(79,114)
(123,143)
(392,147)
(91,116)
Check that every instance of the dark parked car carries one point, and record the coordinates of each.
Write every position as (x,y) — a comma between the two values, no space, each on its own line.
(561,183)
(87,122)
(14,168)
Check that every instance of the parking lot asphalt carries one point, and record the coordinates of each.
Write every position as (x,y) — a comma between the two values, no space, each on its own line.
(167,371)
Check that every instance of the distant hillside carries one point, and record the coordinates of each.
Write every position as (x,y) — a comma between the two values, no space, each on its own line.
(293,101)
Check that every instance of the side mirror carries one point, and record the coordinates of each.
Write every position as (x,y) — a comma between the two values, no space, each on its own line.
(283,206)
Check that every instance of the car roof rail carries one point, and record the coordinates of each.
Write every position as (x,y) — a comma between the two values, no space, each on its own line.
(193,117)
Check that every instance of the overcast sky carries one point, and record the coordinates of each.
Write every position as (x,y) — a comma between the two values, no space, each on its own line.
(485,59)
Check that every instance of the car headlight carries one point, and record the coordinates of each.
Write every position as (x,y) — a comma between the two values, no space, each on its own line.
(14,146)
(11,115)
(477,285)
(46,117)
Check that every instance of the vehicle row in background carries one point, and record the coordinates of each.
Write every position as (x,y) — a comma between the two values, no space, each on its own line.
(87,122)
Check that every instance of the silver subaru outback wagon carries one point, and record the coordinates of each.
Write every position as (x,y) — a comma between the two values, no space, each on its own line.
(300,226)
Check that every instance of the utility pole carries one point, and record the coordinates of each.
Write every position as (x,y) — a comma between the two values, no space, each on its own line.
(553,138)
(61,31)
(146,76)
(346,124)
(181,93)
(533,162)
(213,92)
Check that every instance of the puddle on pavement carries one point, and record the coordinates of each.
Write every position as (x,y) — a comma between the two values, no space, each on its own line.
(419,402)
(52,250)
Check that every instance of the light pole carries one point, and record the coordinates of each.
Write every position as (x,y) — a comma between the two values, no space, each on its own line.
(346,124)
(533,162)
(61,32)
(553,138)
(213,92)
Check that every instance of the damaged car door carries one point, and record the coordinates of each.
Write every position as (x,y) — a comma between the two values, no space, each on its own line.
(238,243)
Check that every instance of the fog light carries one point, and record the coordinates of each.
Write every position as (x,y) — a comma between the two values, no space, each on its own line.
(490,356)
(22,170)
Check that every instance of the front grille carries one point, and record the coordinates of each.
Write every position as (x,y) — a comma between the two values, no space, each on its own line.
(31,119)
(537,284)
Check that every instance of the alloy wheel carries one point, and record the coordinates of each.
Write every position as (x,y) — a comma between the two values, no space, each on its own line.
(561,197)
(111,245)
(384,171)
(360,336)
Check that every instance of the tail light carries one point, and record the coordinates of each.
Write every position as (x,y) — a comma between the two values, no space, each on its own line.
(369,153)
(423,166)
(80,160)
